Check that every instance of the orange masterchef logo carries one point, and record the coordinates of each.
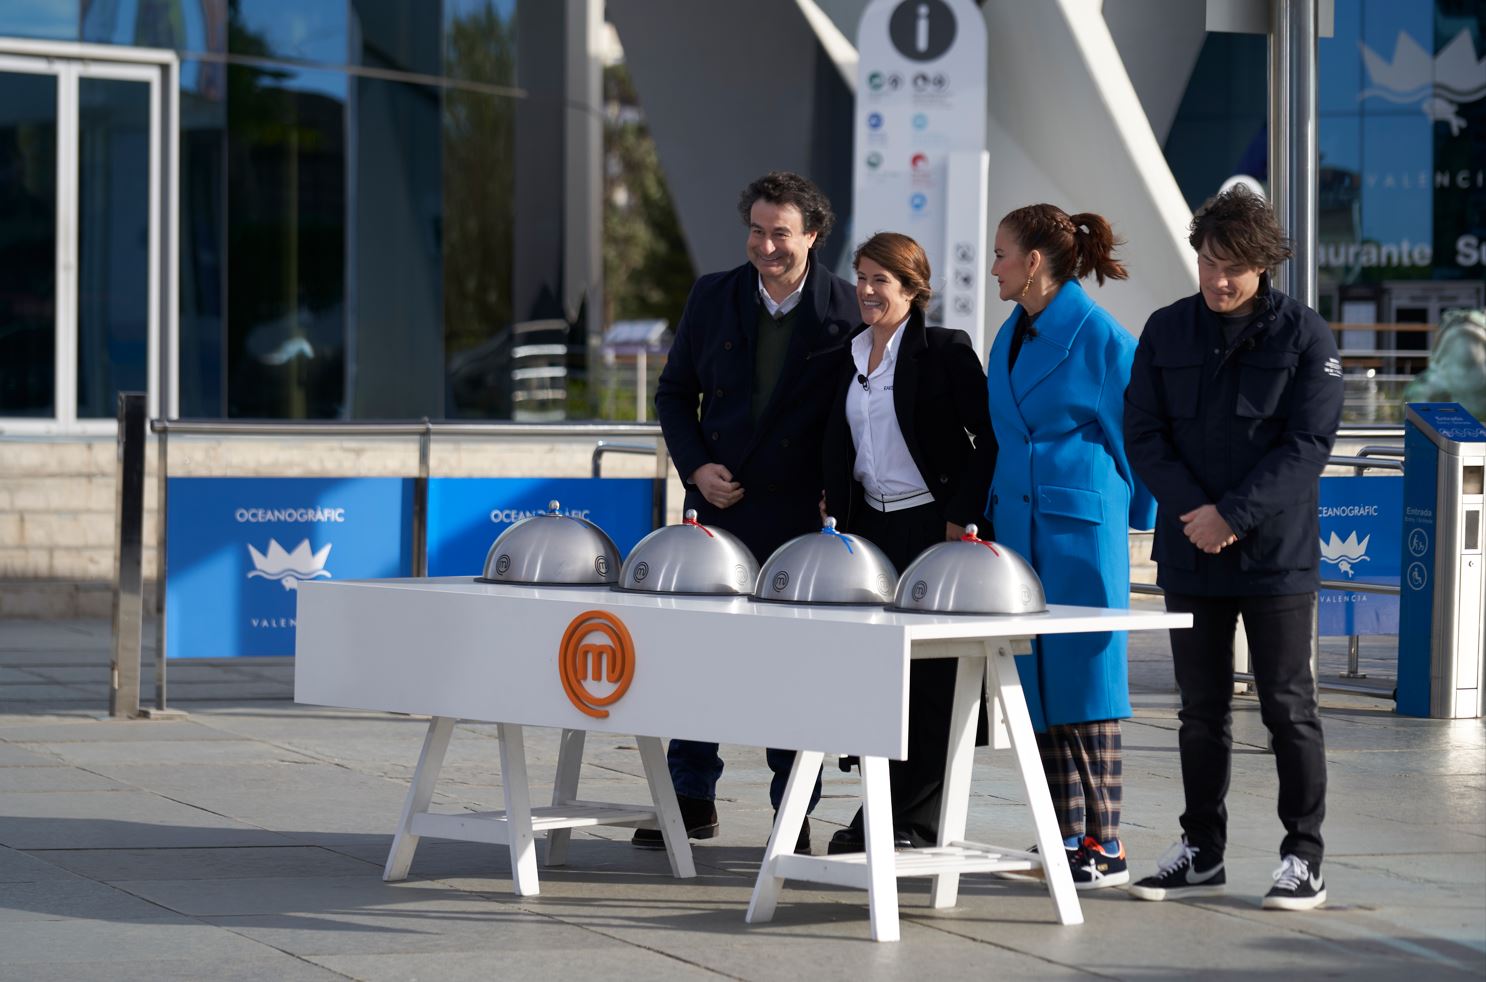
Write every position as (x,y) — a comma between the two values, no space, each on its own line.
(596,648)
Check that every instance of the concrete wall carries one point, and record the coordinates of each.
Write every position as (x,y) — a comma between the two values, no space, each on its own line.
(57,527)
(1078,137)
(732,91)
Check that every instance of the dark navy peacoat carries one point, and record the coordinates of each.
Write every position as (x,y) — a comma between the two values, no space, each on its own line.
(703,401)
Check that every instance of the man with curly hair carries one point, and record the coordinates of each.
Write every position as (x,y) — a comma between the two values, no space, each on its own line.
(1230,416)
(742,403)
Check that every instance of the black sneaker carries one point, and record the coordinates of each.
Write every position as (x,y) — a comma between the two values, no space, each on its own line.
(1093,868)
(1180,874)
(1297,886)
(699,814)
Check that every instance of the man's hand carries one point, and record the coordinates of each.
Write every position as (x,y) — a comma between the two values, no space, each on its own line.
(953,532)
(1206,530)
(717,485)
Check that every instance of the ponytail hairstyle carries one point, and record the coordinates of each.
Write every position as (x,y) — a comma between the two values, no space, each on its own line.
(1072,245)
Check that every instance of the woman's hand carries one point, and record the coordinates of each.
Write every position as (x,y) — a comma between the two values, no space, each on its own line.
(822,506)
(953,532)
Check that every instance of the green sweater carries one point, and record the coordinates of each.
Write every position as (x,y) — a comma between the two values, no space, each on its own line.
(769,355)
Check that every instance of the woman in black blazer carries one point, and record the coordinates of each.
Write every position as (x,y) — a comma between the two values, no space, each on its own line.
(909,455)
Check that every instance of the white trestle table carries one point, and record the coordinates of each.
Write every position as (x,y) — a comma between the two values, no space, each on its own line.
(815,679)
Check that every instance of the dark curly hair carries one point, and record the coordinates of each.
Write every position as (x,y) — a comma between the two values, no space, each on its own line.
(1240,226)
(1074,246)
(782,187)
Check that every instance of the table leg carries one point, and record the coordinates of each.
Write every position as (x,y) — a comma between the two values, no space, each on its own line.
(882,865)
(518,810)
(420,793)
(955,801)
(1008,686)
(786,832)
(565,791)
(667,811)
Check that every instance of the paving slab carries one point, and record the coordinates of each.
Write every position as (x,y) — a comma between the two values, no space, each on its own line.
(619,962)
(286,894)
(19,867)
(262,966)
(173,753)
(453,923)
(254,833)
(76,898)
(20,780)
(227,863)
(57,946)
(112,730)
(14,756)
(118,820)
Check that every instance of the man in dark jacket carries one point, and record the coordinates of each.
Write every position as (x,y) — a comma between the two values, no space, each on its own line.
(742,402)
(1230,416)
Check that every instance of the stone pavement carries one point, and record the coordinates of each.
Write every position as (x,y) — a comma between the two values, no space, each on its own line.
(246,842)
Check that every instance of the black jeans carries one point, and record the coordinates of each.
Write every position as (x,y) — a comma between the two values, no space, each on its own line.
(1279,632)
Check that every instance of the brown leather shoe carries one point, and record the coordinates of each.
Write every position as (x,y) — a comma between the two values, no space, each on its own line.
(699,814)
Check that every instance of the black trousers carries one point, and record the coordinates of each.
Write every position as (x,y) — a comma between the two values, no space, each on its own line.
(918,781)
(1279,632)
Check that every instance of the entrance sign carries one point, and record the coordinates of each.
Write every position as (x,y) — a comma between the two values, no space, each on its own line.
(239,547)
(1361,520)
(921,104)
(466,514)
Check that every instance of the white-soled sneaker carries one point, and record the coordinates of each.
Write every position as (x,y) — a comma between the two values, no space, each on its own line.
(1094,869)
(1182,872)
(1296,886)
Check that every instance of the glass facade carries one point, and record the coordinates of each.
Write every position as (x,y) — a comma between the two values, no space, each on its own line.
(1402,203)
(354,175)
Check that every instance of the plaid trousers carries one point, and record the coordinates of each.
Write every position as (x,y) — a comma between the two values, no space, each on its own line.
(1084,767)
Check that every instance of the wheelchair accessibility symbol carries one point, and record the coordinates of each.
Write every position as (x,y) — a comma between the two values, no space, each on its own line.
(1418,576)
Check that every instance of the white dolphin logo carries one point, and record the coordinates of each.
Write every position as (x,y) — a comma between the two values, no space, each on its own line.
(1345,553)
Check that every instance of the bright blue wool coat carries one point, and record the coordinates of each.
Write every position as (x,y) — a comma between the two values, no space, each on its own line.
(1063,494)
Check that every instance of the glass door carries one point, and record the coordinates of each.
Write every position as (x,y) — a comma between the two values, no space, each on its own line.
(28,241)
(80,240)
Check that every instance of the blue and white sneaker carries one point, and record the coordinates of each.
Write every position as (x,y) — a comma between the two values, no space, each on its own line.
(1180,873)
(1296,886)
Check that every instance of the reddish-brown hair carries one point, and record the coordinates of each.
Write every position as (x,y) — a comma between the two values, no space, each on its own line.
(1073,245)
(904,258)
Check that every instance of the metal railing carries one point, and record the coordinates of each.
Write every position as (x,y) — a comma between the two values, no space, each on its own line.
(128,585)
(128,591)
(1372,457)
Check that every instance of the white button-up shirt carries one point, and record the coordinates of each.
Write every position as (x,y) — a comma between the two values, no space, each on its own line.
(778,310)
(883,465)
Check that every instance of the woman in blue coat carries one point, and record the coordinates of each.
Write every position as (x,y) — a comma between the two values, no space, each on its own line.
(1063,496)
